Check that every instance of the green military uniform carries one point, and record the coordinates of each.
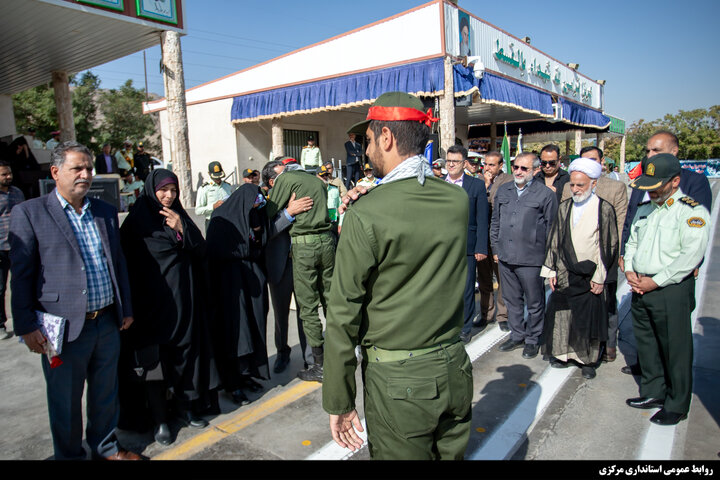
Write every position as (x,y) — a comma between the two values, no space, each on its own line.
(667,243)
(208,194)
(398,242)
(310,158)
(313,247)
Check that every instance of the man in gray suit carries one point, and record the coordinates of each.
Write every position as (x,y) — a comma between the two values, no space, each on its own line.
(522,215)
(66,260)
(279,269)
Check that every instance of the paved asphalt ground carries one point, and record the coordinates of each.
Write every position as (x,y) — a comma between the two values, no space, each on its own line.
(522,409)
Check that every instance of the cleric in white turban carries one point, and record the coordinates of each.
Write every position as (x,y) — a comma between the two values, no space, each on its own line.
(588,166)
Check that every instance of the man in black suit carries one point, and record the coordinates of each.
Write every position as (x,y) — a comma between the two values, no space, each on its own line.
(66,260)
(105,163)
(477,239)
(353,161)
(692,184)
(522,215)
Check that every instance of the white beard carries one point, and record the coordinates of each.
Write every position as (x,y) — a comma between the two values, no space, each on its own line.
(583,196)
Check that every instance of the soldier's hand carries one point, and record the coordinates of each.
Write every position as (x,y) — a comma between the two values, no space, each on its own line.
(217,204)
(646,284)
(352,195)
(298,206)
(341,427)
(35,341)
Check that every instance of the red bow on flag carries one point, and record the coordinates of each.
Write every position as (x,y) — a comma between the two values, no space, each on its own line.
(394,114)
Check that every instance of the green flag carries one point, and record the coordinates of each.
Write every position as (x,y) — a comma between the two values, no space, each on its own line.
(505,149)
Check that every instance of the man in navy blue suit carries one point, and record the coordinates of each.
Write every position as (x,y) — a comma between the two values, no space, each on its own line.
(477,240)
(66,260)
(692,184)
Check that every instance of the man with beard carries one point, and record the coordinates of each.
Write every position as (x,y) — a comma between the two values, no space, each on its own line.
(400,239)
(667,242)
(582,252)
(522,216)
(554,177)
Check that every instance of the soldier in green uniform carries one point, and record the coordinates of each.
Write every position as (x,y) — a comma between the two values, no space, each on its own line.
(667,242)
(212,194)
(310,158)
(313,254)
(398,241)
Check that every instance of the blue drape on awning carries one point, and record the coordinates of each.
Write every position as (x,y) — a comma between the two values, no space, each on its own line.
(582,115)
(425,77)
(500,90)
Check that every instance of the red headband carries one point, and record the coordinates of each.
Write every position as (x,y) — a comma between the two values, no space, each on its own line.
(393,114)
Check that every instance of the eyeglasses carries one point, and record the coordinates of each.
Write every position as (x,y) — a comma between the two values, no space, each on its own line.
(524,169)
(552,163)
(453,161)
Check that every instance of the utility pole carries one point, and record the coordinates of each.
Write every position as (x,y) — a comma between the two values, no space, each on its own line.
(174,78)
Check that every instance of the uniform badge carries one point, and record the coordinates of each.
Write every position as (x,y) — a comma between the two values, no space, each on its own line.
(696,222)
(689,201)
(670,202)
(650,170)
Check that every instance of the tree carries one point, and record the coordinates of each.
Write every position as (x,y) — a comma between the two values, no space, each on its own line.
(85,108)
(123,116)
(35,107)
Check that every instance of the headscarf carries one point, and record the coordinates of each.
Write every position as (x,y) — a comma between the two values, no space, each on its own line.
(146,210)
(588,166)
(230,232)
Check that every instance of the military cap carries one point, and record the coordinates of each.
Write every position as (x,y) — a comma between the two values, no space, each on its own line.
(248,172)
(367,167)
(656,171)
(323,170)
(392,107)
(140,144)
(473,157)
(215,170)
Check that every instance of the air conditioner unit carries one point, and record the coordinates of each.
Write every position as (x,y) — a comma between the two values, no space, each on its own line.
(557,112)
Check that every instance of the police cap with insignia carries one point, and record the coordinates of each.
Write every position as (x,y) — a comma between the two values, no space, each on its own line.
(323,171)
(656,171)
(248,172)
(473,157)
(215,170)
(394,107)
(368,167)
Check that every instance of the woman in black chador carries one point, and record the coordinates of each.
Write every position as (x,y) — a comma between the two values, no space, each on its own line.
(168,349)
(236,236)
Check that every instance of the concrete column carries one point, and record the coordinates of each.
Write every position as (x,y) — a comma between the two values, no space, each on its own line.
(493,136)
(63,103)
(578,141)
(174,77)
(622,155)
(600,141)
(278,148)
(447,111)
(7,116)
(567,146)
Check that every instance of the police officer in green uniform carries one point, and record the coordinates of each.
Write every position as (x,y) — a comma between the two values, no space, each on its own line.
(313,254)
(398,241)
(212,194)
(310,158)
(667,242)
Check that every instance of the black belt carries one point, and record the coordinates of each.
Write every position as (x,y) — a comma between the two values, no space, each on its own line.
(97,313)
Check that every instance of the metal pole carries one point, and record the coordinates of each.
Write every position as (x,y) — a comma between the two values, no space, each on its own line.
(147,98)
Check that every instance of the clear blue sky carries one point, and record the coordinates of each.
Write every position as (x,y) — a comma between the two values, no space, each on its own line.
(658,56)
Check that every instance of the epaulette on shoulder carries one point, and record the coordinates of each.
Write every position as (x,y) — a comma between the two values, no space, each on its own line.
(690,201)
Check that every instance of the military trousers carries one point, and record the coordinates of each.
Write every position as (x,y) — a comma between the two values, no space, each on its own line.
(313,261)
(662,328)
(419,408)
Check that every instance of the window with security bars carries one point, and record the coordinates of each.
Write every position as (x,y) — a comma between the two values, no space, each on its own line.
(295,140)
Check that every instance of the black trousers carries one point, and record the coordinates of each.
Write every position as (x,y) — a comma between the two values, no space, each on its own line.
(4,271)
(353,174)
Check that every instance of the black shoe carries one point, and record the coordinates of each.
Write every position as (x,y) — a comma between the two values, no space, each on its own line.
(588,372)
(631,369)
(504,326)
(478,321)
(663,417)
(530,351)
(281,362)
(312,374)
(250,384)
(239,397)
(645,402)
(191,420)
(557,363)
(511,344)
(163,435)
(465,337)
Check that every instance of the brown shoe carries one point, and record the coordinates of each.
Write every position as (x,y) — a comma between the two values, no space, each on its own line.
(124,455)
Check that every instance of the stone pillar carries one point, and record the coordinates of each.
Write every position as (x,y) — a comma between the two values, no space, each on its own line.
(578,141)
(447,111)
(622,155)
(567,146)
(7,116)
(600,141)
(63,102)
(493,136)
(278,149)
(174,78)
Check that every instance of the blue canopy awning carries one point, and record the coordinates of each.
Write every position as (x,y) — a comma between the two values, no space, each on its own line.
(583,116)
(424,78)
